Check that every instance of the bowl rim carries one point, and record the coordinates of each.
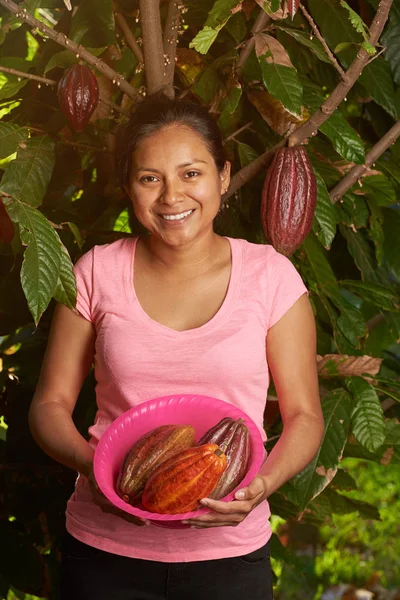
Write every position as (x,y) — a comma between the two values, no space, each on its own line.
(258,453)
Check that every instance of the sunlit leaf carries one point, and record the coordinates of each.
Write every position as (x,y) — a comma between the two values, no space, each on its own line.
(11,135)
(367,418)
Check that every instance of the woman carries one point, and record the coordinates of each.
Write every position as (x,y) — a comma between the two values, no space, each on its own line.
(179,310)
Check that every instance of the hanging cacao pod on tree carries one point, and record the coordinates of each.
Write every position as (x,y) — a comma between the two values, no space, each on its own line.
(288,199)
(78,96)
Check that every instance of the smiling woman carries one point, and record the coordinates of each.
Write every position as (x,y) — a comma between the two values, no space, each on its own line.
(179,310)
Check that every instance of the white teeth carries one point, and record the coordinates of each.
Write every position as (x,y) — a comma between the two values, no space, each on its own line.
(177,217)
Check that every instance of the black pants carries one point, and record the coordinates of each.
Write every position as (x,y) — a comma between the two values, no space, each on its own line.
(91,574)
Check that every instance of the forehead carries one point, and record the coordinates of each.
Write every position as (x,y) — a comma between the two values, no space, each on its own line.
(174,142)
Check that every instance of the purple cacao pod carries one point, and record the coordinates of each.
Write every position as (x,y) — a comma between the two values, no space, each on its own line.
(78,95)
(289,198)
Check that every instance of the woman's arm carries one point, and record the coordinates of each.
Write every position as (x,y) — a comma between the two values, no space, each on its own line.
(291,355)
(67,361)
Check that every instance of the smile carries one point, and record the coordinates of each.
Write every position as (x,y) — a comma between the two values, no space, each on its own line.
(177,217)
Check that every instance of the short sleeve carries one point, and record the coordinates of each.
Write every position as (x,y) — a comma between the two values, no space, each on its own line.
(83,270)
(285,287)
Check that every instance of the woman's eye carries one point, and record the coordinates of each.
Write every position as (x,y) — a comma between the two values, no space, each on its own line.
(191,174)
(148,179)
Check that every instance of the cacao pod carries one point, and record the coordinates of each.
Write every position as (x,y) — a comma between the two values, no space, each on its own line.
(288,199)
(233,438)
(179,483)
(147,453)
(78,95)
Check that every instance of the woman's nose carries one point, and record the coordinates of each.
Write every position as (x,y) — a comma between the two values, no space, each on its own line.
(172,192)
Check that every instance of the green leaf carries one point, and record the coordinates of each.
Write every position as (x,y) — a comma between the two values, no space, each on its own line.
(383,335)
(42,258)
(343,46)
(368,47)
(391,40)
(361,251)
(391,244)
(305,486)
(380,188)
(376,229)
(352,324)
(331,502)
(93,24)
(66,58)
(11,86)
(217,18)
(122,222)
(28,176)
(246,154)
(65,291)
(203,41)
(304,39)
(231,101)
(321,268)
(10,137)
(368,424)
(283,83)
(344,138)
(373,292)
(352,210)
(389,393)
(377,79)
(355,19)
(80,240)
(324,213)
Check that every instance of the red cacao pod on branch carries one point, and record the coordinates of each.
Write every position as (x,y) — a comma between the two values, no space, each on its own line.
(78,95)
(288,200)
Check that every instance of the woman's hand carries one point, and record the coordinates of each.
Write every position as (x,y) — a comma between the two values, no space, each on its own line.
(231,514)
(106,505)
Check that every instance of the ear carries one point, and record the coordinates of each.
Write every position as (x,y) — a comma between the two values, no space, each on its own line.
(225,176)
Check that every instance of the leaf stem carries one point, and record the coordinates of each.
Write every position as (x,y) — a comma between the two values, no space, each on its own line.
(129,36)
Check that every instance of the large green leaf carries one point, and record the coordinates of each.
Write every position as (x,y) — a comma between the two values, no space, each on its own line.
(352,210)
(376,228)
(28,176)
(65,291)
(11,135)
(363,257)
(372,292)
(391,39)
(93,24)
(279,76)
(380,188)
(42,258)
(324,213)
(386,333)
(377,79)
(344,138)
(391,244)
(331,502)
(304,39)
(367,419)
(323,273)
(305,486)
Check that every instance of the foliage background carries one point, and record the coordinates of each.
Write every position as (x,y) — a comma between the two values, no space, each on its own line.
(59,189)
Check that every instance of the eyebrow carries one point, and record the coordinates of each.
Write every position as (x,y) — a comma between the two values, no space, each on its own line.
(181,166)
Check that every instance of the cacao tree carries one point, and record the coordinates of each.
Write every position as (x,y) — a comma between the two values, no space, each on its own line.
(323,74)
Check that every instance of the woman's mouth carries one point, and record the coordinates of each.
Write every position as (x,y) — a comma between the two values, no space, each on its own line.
(179,216)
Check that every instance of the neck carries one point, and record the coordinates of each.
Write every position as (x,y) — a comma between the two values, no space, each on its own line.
(192,258)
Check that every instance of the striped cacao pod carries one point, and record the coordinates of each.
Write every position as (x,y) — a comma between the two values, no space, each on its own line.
(147,453)
(288,199)
(179,483)
(233,438)
(78,95)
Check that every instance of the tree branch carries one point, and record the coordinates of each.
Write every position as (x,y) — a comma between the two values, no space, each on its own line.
(153,50)
(78,49)
(310,127)
(359,170)
(28,76)
(259,24)
(170,39)
(317,34)
(129,36)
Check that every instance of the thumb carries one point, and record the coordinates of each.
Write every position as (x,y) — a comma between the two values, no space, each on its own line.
(255,488)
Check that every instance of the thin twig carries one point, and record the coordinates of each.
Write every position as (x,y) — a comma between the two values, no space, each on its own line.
(359,171)
(129,36)
(310,127)
(153,49)
(61,39)
(28,76)
(318,35)
(259,24)
(68,142)
(235,133)
(170,38)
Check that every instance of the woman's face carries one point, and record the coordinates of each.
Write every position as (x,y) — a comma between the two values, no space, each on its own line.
(175,185)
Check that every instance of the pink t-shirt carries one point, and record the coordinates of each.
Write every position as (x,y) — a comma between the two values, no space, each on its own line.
(137,359)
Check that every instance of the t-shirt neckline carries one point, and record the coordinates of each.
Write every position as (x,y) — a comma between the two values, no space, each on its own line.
(220,316)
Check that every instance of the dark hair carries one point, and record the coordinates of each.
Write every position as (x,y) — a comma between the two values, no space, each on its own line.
(157,111)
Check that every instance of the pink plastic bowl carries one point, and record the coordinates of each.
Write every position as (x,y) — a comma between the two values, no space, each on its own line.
(202,412)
